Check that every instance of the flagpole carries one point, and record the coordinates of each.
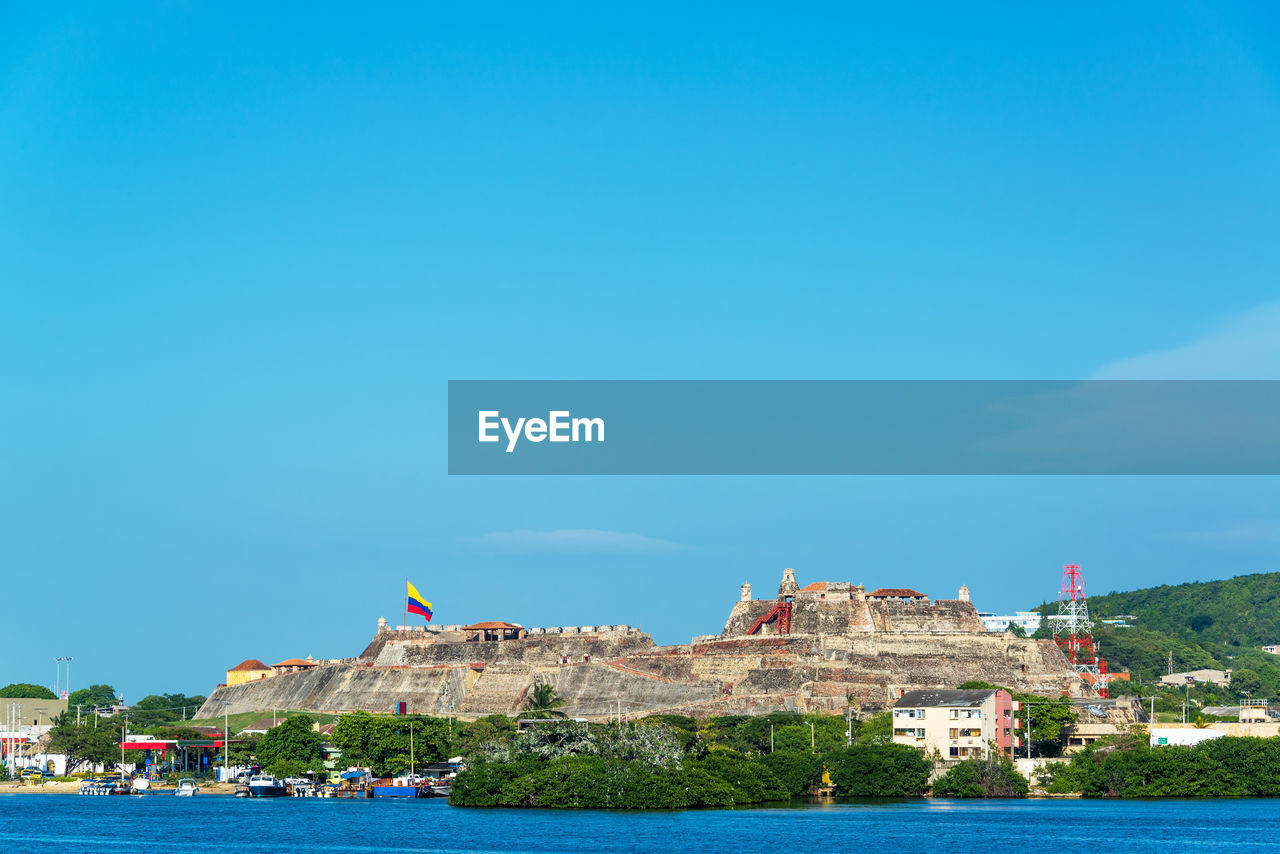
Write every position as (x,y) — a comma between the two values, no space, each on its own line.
(406,606)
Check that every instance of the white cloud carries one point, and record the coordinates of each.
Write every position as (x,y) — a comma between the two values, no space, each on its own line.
(1243,531)
(1246,347)
(577,540)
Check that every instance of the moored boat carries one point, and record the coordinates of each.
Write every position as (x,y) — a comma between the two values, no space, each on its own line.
(400,788)
(266,786)
(186,788)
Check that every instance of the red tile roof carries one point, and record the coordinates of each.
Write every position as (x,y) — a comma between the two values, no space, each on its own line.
(898,592)
(296,662)
(815,587)
(263,724)
(249,664)
(492,624)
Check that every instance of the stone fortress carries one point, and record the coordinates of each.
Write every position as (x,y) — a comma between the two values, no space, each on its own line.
(822,647)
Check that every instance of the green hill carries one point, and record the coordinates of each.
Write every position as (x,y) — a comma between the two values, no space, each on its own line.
(1242,611)
(1210,624)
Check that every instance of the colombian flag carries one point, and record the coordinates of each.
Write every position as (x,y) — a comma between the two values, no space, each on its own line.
(416,604)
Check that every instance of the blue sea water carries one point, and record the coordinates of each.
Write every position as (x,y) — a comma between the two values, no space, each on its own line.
(57,823)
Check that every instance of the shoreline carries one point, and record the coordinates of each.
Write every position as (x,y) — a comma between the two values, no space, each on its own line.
(73,788)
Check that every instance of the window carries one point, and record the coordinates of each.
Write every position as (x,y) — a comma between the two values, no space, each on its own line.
(955,751)
(955,713)
(953,733)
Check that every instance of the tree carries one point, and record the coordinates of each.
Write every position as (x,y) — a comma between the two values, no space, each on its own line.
(491,729)
(797,771)
(381,742)
(1016,630)
(26,690)
(93,697)
(84,742)
(290,748)
(543,702)
(991,777)
(877,729)
(879,771)
(1244,679)
(243,749)
(162,708)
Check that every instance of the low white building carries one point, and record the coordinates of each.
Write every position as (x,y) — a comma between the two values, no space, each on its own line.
(1181,736)
(1029,621)
(1221,678)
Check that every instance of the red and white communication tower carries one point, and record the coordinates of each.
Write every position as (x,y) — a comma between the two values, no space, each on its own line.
(1073,630)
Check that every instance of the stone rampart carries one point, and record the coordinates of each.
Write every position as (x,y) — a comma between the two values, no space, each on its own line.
(843,648)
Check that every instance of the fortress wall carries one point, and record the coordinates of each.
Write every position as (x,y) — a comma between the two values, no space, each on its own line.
(343,688)
(744,615)
(840,647)
(542,650)
(739,675)
(946,615)
(857,616)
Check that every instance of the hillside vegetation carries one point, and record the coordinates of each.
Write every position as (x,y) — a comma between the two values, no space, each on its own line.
(1211,624)
(1243,611)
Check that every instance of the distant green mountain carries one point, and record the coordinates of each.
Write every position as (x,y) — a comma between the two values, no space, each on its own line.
(1241,611)
(1209,624)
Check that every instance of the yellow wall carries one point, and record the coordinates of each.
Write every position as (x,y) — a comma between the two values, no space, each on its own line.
(239,677)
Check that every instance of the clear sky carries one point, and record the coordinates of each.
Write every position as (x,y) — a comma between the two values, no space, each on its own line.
(244,246)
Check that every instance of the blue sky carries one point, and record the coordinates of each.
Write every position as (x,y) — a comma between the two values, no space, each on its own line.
(242,250)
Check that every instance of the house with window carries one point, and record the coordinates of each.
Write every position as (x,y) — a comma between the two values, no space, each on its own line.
(958,724)
(249,670)
(898,594)
(498,630)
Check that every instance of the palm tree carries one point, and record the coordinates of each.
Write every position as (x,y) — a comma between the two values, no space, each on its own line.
(543,702)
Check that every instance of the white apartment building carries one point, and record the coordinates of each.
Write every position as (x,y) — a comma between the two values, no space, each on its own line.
(958,724)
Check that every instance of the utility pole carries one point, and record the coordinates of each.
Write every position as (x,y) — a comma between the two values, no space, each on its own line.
(226,741)
(771,738)
(412,767)
(812,740)
(848,727)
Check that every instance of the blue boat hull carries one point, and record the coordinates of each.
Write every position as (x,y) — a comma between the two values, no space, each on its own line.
(395,792)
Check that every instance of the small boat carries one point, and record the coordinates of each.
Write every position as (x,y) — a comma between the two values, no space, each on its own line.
(140,786)
(186,788)
(95,787)
(439,790)
(266,786)
(242,790)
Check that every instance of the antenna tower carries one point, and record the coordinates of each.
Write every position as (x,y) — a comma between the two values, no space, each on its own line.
(1073,631)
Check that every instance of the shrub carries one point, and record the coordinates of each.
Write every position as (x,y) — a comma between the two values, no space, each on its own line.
(798,772)
(879,771)
(992,777)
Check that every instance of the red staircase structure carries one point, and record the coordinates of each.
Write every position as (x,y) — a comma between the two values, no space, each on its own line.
(781,611)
